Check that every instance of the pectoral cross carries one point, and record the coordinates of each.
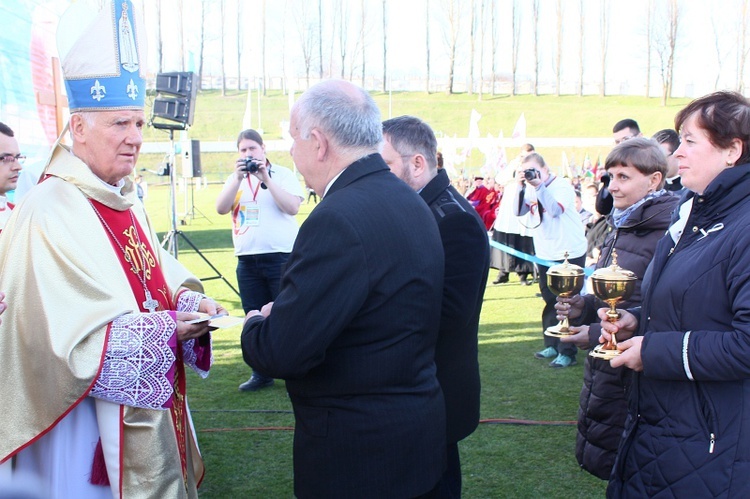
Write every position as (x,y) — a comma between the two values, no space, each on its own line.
(150,304)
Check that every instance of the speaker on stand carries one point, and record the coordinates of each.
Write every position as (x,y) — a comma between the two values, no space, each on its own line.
(173,109)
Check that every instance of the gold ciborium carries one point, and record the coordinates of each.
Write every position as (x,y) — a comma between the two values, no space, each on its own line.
(566,280)
(612,284)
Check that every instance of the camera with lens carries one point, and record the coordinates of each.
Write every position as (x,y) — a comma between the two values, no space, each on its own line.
(251,165)
(531,174)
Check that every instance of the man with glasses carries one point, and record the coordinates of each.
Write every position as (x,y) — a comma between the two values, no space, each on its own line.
(625,129)
(10,166)
(410,151)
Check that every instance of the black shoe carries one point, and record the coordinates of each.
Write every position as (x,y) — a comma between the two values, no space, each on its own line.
(501,279)
(255,383)
(524,279)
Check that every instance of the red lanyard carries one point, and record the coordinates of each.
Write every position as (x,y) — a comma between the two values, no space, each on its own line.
(255,192)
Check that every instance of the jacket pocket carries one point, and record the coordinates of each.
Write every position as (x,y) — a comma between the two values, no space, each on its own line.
(708,419)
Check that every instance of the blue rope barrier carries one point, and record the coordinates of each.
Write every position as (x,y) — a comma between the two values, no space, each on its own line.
(530,258)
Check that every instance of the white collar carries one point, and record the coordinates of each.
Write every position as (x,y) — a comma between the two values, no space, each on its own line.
(113,188)
(331,182)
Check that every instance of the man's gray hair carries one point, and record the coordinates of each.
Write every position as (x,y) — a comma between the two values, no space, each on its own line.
(345,112)
(88,116)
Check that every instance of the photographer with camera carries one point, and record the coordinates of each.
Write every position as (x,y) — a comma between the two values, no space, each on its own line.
(263,200)
(549,204)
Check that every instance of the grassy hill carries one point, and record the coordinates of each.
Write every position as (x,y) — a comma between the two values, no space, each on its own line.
(219,118)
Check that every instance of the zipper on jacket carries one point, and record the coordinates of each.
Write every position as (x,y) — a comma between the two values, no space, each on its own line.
(711,444)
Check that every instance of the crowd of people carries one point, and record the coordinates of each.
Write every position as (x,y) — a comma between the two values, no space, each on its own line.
(369,311)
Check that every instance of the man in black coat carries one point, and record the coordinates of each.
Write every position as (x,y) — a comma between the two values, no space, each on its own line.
(354,327)
(410,150)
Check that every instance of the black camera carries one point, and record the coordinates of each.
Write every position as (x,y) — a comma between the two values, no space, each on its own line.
(251,165)
(531,174)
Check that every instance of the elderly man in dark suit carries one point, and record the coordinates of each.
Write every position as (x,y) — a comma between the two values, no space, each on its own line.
(354,327)
(410,150)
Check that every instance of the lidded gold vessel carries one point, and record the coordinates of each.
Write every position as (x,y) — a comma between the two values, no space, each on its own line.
(564,279)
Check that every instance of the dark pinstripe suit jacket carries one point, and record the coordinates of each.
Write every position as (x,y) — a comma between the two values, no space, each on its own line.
(353,333)
(467,260)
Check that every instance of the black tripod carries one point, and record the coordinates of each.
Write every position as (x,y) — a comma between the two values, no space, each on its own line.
(190,213)
(171,238)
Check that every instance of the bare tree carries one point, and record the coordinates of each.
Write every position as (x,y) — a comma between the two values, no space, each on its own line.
(362,40)
(472,40)
(343,7)
(649,44)
(223,53)
(306,31)
(558,56)
(202,43)
(493,17)
(240,39)
(666,42)
(482,25)
(452,29)
(719,32)
(427,44)
(742,46)
(581,46)
(320,39)
(515,19)
(336,27)
(603,42)
(535,11)
(385,45)
(263,45)
(159,48)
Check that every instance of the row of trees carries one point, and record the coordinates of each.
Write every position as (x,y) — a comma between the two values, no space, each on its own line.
(336,38)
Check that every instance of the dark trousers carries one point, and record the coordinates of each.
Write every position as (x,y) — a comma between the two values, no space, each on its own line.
(549,314)
(258,277)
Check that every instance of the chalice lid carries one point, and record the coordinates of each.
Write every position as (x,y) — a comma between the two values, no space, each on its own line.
(614,272)
(565,269)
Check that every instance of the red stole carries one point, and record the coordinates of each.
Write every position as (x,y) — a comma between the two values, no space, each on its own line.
(133,262)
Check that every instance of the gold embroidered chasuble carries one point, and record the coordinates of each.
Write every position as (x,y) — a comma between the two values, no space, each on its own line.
(65,285)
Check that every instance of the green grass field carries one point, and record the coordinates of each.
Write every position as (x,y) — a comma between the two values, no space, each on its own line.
(246,439)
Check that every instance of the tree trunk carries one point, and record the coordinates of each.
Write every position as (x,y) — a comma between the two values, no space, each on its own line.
(385,46)
(202,44)
(320,38)
(472,39)
(239,47)
(223,55)
(581,46)
(427,44)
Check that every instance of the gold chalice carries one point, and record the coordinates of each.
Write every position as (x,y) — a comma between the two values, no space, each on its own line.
(566,280)
(612,284)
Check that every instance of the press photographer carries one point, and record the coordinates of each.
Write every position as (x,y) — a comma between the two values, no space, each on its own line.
(547,204)
(263,200)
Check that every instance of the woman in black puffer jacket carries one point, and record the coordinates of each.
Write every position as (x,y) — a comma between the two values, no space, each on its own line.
(641,215)
(687,433)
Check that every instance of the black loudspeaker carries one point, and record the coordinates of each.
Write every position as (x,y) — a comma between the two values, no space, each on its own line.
(191,159)
(175,100)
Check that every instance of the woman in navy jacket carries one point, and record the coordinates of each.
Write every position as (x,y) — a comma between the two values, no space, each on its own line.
(642,212)
(688,427)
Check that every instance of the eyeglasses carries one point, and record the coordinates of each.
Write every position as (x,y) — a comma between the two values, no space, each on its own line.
(9,158)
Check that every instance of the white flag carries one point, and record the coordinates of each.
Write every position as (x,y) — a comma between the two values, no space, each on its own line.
(519,131)
(474,124)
